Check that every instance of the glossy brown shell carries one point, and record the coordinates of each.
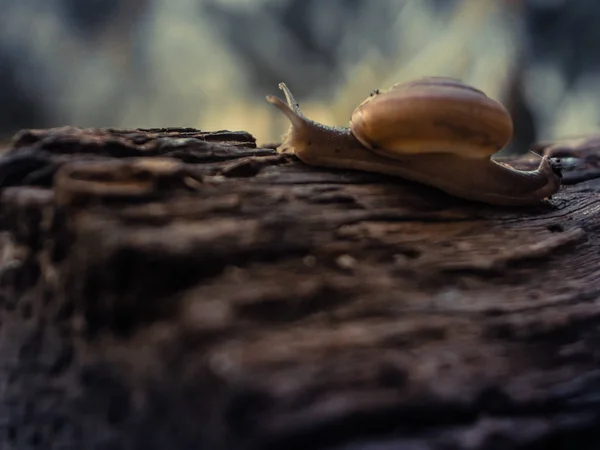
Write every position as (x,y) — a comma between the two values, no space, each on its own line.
(432,115)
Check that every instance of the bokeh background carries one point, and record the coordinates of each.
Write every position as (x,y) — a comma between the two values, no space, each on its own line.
(210,63)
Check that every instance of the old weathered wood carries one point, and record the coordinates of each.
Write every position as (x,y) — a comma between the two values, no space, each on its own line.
(171,288)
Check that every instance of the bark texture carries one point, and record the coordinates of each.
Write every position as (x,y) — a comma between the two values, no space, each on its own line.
(172,288)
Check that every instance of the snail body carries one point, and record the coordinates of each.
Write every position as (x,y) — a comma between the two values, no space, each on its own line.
(436,131)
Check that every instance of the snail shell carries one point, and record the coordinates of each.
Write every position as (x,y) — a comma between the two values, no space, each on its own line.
(437,131)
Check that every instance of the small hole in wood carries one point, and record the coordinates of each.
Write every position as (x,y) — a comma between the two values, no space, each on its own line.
(27,311)
(556,228)
(411,253)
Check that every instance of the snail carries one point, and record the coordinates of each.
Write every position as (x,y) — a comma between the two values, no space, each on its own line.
(435,131)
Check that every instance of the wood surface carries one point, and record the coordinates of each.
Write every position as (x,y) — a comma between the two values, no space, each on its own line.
(180,289)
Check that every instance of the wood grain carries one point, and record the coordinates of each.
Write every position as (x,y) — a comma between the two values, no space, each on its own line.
(173,288)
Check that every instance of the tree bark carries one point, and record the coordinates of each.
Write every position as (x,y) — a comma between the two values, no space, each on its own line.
(172,288)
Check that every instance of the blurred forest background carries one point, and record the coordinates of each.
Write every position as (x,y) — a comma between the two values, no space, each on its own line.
(210,63)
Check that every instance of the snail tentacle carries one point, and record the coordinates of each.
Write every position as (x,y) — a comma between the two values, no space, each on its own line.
(294,115)
(291,100)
